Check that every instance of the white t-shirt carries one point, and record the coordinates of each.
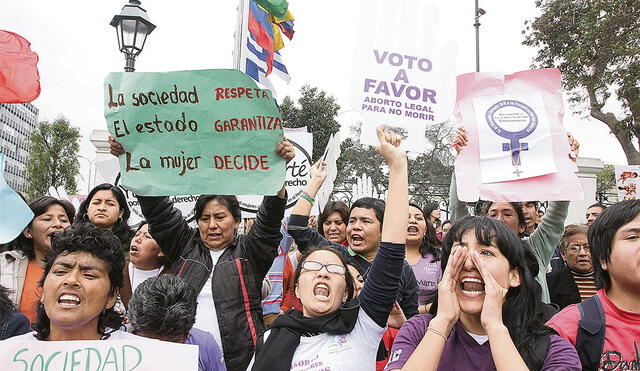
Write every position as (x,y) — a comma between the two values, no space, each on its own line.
(206,316)
(138,276)
(480,339)
(116,335)
(349,352)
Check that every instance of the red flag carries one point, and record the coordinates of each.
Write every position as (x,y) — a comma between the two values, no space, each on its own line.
(19,78)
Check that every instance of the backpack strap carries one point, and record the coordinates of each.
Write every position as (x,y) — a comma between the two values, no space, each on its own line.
(541,348)
(591,332)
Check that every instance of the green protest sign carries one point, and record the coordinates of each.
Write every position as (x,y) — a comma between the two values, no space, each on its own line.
(194,132)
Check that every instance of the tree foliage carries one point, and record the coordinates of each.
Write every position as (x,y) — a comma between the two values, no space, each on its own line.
(318,111)
(53,148)
(596,46)
(436,164)
(606,179)
(357,159)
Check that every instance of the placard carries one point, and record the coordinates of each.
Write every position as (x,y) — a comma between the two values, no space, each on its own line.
(627,182)
(562,185)
(402,75)
(194,132)
(515,140)
(120,355)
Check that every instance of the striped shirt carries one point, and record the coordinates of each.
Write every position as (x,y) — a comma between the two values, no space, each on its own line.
(586,284)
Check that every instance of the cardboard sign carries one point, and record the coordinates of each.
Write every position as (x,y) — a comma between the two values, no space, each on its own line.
(297,173)
(194,132)
(297,178)
(121,355)
(562,185)
(402,77)
(627,182)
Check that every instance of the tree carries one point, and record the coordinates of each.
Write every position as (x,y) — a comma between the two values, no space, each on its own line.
(318,111)
(596,46)
(606,179)
(357,159)
(435,165)
(53,149)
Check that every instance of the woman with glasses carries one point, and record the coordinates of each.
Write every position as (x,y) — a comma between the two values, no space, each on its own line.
(575,281)
(334,330)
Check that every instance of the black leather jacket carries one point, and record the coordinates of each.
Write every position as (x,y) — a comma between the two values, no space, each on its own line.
(237,276)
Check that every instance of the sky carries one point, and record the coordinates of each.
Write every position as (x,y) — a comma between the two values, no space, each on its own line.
(77,48)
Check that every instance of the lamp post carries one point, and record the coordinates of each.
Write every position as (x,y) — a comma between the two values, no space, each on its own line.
(478,13)
(132,27)
(91,162)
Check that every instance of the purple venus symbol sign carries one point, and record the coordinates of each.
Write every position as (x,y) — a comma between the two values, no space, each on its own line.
(511,113)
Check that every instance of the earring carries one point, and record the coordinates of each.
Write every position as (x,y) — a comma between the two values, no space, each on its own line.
(85,217)
(119,221)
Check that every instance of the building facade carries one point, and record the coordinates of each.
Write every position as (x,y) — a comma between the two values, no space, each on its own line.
(17,121)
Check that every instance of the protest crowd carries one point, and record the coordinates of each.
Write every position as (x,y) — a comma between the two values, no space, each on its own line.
(382,285)
(498,279)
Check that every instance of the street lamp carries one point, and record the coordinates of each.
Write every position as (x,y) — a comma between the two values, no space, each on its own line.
(132,27)
(479,12)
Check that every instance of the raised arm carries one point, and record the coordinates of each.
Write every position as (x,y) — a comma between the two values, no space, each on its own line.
(166,225)
(457,207)
(261,243)
(546,237)
(383,281)
(298,226)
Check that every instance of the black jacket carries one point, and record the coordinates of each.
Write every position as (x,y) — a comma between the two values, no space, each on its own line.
(237,276)
(15,324)
(563,290)
(305,237)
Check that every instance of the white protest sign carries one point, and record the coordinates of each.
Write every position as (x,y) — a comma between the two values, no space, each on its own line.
(627,182)
(332,152)
(121,355)
(297,173)
(402,76)
(515,137)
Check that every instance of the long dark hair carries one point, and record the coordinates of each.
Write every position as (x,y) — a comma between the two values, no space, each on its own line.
(429,208)
(330,208)
(101,244)
(121,228)
(522,311)
(39,207)
(351,288)
(7,308)
(430,243)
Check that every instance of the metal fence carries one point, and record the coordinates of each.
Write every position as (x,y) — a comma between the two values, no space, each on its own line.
(419,193)
(606,199)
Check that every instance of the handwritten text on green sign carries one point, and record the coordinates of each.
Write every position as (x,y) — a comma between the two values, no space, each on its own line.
(193,132)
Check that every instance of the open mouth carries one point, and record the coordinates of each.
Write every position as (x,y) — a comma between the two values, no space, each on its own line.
(471,286)
(214,236)
(357,239)
(412,229)
(69,300)
(133,250)
(321,291)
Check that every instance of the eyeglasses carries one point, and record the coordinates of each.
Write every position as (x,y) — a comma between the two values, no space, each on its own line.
(576,248)
(310,265)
